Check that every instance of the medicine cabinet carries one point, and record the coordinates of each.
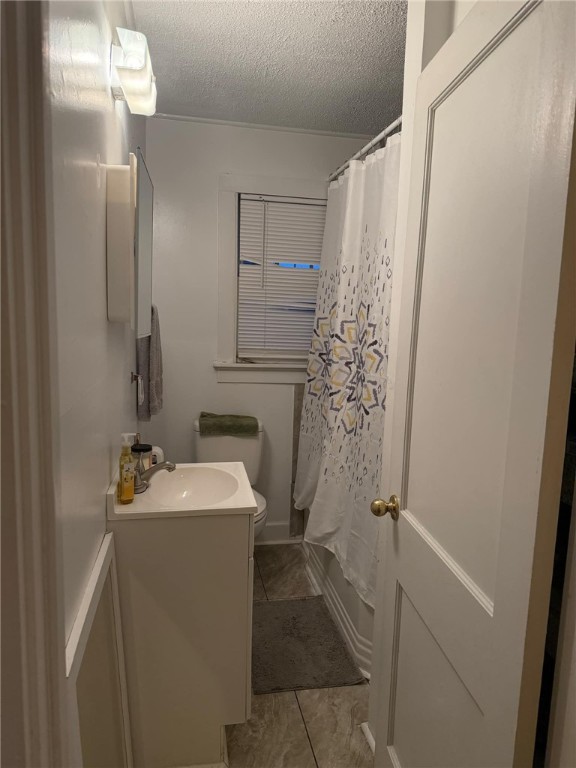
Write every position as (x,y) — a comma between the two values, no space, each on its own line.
(129,243)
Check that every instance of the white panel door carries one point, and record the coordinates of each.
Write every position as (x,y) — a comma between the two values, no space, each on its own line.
(479,399)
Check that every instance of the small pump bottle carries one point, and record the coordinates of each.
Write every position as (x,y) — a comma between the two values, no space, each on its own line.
(126,477)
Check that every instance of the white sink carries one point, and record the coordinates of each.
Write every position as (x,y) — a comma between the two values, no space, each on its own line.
(191,489)
(194,484)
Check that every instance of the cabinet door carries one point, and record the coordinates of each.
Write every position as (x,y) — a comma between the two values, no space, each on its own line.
(185,590)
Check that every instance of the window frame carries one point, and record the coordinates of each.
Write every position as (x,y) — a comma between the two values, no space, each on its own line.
(230,186)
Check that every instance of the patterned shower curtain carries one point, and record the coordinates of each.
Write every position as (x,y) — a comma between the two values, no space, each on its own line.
(343,415)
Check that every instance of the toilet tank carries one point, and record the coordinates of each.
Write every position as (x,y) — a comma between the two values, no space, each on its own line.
(209,448)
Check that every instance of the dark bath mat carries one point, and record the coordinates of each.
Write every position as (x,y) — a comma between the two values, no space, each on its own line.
(296,645)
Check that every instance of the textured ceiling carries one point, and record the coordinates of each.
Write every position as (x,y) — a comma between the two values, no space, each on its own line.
(329,65)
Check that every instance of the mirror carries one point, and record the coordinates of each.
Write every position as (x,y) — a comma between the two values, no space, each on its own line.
(143,242)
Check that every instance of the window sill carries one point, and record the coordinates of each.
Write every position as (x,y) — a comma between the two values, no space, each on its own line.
(260,373)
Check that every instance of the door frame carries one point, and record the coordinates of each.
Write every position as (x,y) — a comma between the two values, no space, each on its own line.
(550,489)
(558,401)
(560,707)
(33,681)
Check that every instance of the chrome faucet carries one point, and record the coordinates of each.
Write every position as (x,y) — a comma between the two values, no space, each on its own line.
(141,479)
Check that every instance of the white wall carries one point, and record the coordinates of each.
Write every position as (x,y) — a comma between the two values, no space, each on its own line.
(185,160)
(95,357)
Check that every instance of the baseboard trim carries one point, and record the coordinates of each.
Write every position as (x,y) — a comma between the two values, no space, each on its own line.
(266,542)
(275,533)
(368,736)
(360,647)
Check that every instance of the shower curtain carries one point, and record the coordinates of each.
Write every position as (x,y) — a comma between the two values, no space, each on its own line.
(343,414)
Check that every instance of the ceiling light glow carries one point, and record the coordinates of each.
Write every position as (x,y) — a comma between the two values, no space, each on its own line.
(132,78)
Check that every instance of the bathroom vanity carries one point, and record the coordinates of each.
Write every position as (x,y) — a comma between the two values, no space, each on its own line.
(185,572)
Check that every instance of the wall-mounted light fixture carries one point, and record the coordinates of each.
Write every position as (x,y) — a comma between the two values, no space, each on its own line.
(132,76)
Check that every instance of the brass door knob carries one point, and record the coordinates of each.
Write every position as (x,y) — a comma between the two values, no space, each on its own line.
(379,507)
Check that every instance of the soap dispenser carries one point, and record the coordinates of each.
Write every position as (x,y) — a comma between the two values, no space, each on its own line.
(126,477)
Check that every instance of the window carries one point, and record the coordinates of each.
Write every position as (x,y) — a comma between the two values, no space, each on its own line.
(279,247)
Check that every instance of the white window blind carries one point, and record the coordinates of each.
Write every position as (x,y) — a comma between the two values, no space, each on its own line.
(279,246)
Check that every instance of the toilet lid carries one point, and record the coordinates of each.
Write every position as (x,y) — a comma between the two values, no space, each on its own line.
(261,503)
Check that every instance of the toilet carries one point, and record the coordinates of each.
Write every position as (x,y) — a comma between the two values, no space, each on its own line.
(248,450)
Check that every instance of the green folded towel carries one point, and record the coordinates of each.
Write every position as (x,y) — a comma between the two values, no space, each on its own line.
(215,424)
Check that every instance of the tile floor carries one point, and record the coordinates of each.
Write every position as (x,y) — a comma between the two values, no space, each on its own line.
(298,729)
(280,572)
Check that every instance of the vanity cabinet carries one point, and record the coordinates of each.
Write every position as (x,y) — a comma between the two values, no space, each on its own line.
(185,588)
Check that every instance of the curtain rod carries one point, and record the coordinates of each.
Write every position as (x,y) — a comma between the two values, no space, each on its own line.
(386,132)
